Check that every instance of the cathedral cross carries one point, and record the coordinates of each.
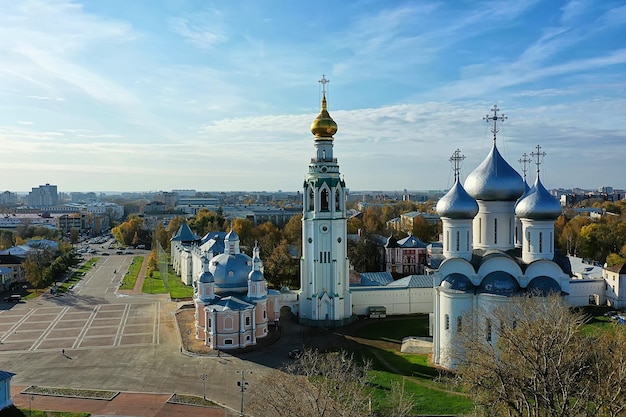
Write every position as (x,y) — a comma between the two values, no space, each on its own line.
(324,81)
(538,154)
(495,118)
(456,159)
(524,161)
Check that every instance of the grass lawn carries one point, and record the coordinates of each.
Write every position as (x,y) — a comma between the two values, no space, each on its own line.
(433,391)
(173,285)
(133,272)
(25,412)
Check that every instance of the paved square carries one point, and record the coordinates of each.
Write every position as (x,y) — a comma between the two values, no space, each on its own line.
(76,327)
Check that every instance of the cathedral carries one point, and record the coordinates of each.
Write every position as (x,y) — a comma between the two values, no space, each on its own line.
(498,242)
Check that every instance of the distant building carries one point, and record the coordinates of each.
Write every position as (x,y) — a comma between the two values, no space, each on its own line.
(44,195)
(405,256)
(8,198)
(167,199)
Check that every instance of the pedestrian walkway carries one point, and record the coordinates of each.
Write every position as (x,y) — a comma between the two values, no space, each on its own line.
(124,404)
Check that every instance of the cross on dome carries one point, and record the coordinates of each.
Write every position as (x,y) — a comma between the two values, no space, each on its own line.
(538,154)
(524,161)
(324,81)
(495,118)
(456,159)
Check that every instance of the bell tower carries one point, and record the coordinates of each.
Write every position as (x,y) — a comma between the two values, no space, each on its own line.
(325,298)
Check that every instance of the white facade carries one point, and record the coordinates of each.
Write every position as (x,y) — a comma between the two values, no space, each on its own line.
(325,298)
(5,389)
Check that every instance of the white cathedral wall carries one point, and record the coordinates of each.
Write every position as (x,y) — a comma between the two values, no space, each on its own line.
(455,265)
(398,301)
(538,240)
(581,289)
(452,305)
(500,263)
(546,268)
(464,229)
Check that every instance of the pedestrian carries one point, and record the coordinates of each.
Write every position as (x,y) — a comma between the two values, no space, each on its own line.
(63,352)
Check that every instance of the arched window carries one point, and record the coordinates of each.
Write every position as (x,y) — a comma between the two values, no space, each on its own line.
(488,330)
(458,240)
(480,230)
(447,321)
(247,321)
(459,324)
(447,240)
(528,240)
(324,200)
(467,242)
(337,204)
(540,242)
(311,199)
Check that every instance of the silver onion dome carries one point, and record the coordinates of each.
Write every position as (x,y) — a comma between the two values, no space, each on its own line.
(457,203)
(538,204)
(494,180)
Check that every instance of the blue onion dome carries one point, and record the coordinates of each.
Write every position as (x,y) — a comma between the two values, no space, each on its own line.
(231,236)
(256,276)
(230,271)
(459,282)
(543,286)
(457,203)
(539,204)
(495,180)
(206,277)
(527,190)
(499,283)
(392,242)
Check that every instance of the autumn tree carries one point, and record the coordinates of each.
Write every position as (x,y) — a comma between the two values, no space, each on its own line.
(34,266)
(245,229)
(323,385)
(206,221)
(280,268)
(539,362)
(364,256)
(152,263)
(131,231)
(161,237)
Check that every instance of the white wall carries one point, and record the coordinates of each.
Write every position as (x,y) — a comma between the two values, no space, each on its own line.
(397,300)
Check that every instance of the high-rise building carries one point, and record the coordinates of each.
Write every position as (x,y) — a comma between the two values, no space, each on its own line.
(44,195)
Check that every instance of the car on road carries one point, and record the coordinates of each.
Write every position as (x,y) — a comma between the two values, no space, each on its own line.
(15,298)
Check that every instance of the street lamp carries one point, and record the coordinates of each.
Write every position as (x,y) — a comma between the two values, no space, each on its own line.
(203,377)
(243,384)
(188,333)
(31,397)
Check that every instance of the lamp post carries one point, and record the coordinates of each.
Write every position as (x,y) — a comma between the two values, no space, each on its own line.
(31,397)
(203,377)
(188,333)
(243,384)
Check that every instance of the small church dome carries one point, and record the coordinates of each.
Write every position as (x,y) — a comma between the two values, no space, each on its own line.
(499,283)
(459,282)
(256,276)
(494,180)
(206,277)
(543,286)
(457,204)
(538,204)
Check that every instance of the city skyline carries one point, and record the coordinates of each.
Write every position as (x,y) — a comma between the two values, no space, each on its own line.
(148,96)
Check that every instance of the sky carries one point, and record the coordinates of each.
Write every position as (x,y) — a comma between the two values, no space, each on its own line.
(148,95)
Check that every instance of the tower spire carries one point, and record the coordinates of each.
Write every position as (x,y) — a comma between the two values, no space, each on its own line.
(495,118)
(525,161)
(456,159)
(538,155)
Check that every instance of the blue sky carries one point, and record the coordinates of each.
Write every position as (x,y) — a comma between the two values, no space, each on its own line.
(156,95)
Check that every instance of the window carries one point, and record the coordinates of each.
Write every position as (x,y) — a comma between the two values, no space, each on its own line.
(528,241)
(540,242)
(228,341)
(264,314)
(480,228)
(447,321)
(324,200)
(458,240)
(337,206)
(459,324)
(488,331)
(311,199)
(510,227)
(495,231)
(209,323)
(247,321)
(467,242)
(447,240)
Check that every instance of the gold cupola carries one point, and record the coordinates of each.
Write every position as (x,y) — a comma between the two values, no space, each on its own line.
(324,127)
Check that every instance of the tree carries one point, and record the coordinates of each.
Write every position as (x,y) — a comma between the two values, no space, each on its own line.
(540,362)
(328,385)
(35,265)
(364,256)
(280,268)
(161,237)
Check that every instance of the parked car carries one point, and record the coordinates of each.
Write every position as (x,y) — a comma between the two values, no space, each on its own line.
(15,298)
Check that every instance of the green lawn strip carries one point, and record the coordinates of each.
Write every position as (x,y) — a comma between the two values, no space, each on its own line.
(428,401)
(128,282)
(191,400)
(154,284)
(77,275)
(394,330)
(178,289)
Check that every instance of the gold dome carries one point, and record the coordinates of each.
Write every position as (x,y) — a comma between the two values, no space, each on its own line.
(324,126)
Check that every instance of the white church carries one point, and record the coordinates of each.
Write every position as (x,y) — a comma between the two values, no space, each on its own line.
(498,242)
